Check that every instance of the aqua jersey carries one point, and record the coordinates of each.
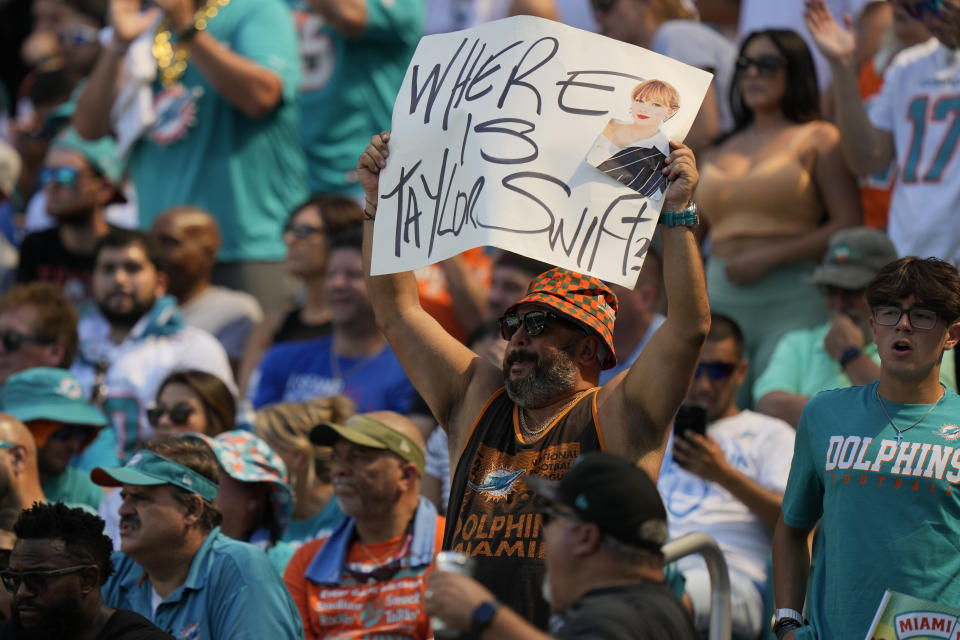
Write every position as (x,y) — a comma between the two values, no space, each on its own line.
(348,85)
(231,591)
(249,173)
(889,515)
(75,487)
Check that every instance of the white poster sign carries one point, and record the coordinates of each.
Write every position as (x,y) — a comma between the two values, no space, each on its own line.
(535,137)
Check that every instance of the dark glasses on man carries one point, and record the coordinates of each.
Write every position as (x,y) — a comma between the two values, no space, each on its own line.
(765,65)
(889,316)
(72,432)
(916,9)
(602,6)
(179,414)
(5,558)
(550,512)
(63,176)
(533,322)
(715,371)
(13,340)
(36,581)
(302,231)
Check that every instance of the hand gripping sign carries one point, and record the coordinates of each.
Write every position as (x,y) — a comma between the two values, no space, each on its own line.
(535,137)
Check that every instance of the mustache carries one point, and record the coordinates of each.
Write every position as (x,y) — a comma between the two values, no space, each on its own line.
(519,356)
(130,520)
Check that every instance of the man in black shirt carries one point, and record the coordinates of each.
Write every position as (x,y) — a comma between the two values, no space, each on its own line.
(604,524)
(58,564)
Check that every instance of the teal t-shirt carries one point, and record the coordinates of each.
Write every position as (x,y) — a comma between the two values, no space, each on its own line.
(74,487)
(800,364)
(889,515)
(322,524)
(349,84)
(250,173)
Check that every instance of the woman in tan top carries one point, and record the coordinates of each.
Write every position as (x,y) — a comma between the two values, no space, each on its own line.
(772,194)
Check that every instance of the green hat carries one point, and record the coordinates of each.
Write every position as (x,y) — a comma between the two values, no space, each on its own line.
(49,393)
(147,469)
(100,153)
(367,432)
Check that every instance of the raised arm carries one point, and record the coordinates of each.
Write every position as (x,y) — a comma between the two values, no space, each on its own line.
(866,148)
(453,380)
(636,407)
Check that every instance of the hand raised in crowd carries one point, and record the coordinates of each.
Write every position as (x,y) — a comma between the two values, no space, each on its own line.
(179,13)
(453,597)
(129,20)
(836,43)
(372,160)
(701,455)
(843,334)
(681,171)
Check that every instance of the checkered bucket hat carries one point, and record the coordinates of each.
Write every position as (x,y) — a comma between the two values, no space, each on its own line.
(583,299)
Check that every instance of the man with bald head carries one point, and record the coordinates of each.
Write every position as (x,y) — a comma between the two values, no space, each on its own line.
(189,240)
(377,558)
(19,473)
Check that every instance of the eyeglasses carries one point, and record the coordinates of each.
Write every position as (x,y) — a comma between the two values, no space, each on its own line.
(13,340)
(716,371)
(72,432)
(916,9)
(302,231)
(921,319)
(549,512)
(179,414)
(78,35)
(534,322)
(765,65)
(5,558)
(37,581)
(602,6)
(64,176)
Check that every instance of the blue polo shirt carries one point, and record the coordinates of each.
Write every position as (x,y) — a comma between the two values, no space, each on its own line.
(232,592)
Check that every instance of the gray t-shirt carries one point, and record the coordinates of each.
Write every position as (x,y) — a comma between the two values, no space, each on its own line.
(227,314)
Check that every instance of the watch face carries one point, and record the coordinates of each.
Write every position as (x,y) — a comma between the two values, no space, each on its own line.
(483,614)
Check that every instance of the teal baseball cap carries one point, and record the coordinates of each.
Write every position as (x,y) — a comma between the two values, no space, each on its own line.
(49,393)
(148,469)
(100,153)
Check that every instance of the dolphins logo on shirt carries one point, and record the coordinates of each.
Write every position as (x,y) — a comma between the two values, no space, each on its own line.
(498,483)
(950,431)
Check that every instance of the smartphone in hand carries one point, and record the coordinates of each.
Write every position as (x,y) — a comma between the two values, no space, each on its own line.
(690,417)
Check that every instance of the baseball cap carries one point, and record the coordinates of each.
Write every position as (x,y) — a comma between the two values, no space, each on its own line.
(853,257)
(100,153)
(148,469)
(368,432)
(584,299)
(612,493)
(248,458)
(49,393)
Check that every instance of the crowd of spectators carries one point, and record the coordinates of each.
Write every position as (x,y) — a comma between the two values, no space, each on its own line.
(216,424)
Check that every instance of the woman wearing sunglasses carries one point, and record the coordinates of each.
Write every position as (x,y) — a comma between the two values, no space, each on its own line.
(772,194)
(306,235)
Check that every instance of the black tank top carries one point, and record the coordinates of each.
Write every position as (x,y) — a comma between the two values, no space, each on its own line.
(492,515)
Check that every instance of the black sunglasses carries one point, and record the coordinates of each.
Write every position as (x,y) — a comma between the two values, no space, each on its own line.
(533,322)
(302,231)
(36,581)
(765,65)
(549,512)
(602,6)
(179,414)
(5,558)
(13,340)
(715,371)
(72,432)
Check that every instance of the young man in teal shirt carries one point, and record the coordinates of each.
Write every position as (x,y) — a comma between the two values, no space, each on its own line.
(876,466)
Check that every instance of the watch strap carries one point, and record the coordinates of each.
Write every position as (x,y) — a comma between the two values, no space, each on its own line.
(849,354)
(482,617)
(684,218)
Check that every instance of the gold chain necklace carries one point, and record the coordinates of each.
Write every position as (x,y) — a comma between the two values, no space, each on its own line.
(173,61)
(533,434)
(900,431)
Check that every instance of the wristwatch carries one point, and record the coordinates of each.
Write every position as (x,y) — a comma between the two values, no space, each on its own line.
(786,619)
(685,218)
(849,354)
(482,617)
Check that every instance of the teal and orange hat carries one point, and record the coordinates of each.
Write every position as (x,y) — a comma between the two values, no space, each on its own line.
(584,299)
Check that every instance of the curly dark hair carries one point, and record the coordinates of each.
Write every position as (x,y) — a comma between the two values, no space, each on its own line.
(81,532)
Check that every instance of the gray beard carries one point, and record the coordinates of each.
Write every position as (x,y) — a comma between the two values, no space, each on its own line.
(544,383)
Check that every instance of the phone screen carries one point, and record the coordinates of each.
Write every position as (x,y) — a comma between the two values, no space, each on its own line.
(690,417)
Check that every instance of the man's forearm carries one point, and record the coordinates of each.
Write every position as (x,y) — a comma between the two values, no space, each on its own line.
(508,625)
(92,115)
(349,17)
(252,89)
(862,370)
(688,308)
(866,148)
(764,503)
(791,564)
(784,405)
(389,293)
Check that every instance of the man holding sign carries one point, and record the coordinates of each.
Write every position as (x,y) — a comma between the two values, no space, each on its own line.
(545,407)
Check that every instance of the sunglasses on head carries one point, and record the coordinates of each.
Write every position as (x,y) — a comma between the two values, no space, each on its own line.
(921,319)
(179,414)
(715,371)
(63,176)
(916,9)
(303,231)
(765,65)
(37,581)
(13,340)
(533,322)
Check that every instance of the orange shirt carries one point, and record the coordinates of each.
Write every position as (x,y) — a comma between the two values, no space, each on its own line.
(435,296)
(363,606)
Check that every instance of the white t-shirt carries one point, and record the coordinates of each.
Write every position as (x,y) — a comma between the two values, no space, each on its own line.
(919,104)
(701,46)
(758,446)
